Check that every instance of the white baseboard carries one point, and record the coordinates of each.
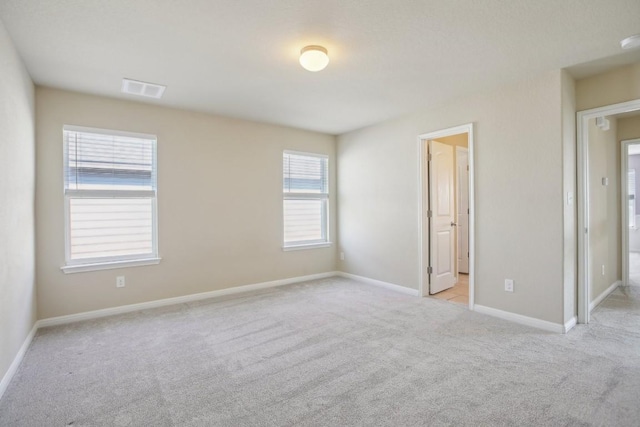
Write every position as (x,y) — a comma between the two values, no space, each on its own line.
(60,320)
(523,320)
(394,287)
(570,324)
(593,304)
(13,368)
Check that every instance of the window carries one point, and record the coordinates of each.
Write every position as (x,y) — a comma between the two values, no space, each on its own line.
(110,199)
(305,200)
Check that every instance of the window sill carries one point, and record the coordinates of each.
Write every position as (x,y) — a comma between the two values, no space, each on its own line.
(309,246)
(81,268)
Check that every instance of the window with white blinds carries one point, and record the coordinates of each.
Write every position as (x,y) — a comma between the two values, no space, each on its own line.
(110,195)
(305,199)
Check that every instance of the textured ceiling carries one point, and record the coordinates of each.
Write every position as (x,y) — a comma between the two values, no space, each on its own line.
(239,58)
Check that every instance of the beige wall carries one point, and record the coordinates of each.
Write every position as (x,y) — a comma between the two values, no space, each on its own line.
(629,128)
(570,212)
(17,165)
(613,87)
(219,204)
(519,196)
(604,208)
(460,140)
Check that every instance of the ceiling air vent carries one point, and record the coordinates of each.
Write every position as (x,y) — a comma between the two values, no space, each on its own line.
(150,90)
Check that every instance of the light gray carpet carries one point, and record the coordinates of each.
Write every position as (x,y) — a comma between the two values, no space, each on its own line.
(331,352)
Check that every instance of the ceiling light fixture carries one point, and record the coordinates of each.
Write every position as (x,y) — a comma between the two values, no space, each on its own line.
(631,42)
(314,58)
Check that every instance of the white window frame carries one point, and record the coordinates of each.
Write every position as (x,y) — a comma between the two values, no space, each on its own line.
(324,197)
(120,261)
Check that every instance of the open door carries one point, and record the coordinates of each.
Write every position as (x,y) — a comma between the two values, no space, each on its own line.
(441,220)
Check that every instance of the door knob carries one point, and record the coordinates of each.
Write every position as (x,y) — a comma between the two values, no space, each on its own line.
(453,224)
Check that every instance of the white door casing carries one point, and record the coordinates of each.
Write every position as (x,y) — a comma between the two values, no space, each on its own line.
(441,225)
(423,205)
(625,210)
(462,162)
(583,199)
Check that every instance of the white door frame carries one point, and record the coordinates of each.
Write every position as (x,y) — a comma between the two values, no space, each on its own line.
(582,142)
(423,202)
(624,208)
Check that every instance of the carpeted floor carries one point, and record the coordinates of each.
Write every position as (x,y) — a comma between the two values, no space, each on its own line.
(332,352)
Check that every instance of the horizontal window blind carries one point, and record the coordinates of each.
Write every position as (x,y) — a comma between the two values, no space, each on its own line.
(98,161)
(110,227)
(306,193)
(305,174)
(110,189)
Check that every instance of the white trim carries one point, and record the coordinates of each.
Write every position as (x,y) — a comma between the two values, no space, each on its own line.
(469,129)
(582,142)
(306,153)
(82,268)
(523,320)
(108,132)
(392,286)
(13,368)
(570,324)
(60,320)
(593,304)
(307,246)
(624,204)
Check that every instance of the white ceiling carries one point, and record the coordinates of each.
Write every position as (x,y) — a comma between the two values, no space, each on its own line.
(239,57)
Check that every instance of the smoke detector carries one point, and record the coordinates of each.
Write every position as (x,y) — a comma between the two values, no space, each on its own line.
(149,90)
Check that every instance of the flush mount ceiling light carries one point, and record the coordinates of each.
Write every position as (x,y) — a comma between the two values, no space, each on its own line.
(314,58)
(150,90)
(631,42)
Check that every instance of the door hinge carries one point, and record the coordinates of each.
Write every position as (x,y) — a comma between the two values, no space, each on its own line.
(468,211)
(430,157)
(467,168)
(429,270)
(586,230)
(429,213)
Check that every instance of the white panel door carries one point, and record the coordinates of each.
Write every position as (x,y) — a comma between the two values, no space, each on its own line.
(462,162)
(441,224)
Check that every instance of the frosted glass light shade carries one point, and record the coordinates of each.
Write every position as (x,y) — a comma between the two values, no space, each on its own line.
(314,58)
(631,42)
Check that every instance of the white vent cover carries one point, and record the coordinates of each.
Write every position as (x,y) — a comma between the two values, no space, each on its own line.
(150,90)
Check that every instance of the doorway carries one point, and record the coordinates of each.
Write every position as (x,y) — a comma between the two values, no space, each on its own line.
(447,212)
(630,208)
(604,216)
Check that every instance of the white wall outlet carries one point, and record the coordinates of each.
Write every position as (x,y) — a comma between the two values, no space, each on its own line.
(120,282)
(605,181)
(603,269)
(508,285)
(341,256)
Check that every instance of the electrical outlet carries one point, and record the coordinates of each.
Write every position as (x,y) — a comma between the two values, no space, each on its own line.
(341,256)
(508,285)
(120,282)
